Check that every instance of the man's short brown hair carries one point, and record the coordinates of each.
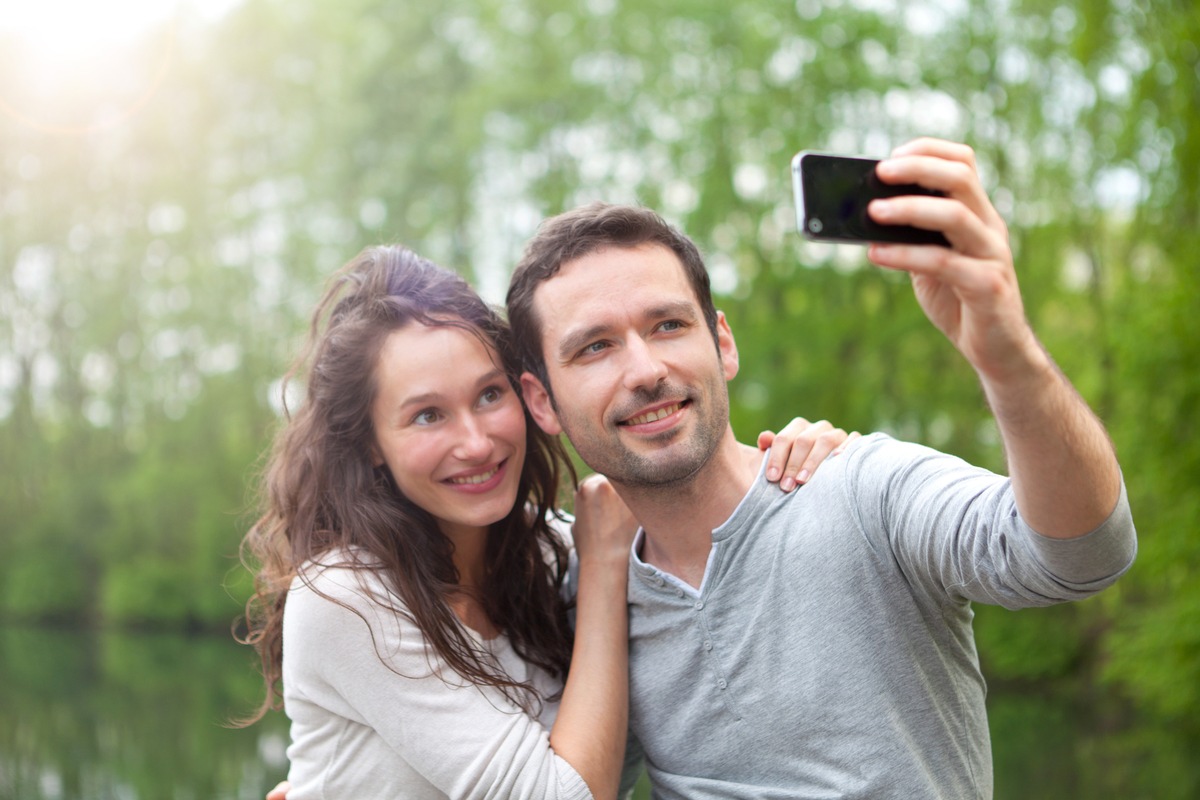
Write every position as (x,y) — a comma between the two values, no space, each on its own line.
(575,234)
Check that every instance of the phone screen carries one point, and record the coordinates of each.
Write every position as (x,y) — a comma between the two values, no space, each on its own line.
(832,193)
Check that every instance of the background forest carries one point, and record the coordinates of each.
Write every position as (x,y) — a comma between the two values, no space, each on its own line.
(168,219)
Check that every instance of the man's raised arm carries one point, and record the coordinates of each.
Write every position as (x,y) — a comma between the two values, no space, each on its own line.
(1062,464)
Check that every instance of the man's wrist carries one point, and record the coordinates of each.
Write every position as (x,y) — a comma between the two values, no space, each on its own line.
(1028,387)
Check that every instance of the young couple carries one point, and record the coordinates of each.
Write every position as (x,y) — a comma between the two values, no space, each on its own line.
(811,643)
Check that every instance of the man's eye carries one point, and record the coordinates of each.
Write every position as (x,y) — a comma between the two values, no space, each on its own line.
(671,325)
(593,348)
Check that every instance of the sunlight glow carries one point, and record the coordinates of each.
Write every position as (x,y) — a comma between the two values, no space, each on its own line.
(69,28)
(85,65)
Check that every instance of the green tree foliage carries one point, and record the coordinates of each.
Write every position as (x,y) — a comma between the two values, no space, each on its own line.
(155,275)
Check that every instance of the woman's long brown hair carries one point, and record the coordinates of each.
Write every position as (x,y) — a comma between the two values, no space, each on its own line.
(320,492)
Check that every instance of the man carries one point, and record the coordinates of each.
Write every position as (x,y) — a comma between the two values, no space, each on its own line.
(815,644)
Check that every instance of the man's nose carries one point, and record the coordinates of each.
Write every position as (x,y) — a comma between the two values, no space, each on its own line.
(643,368)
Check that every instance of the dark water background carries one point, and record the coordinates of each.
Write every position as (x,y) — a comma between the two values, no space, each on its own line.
(93,716)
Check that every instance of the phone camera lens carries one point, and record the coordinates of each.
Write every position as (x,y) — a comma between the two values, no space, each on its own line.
(815,225)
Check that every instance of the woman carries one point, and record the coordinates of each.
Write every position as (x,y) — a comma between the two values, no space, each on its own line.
(414,577)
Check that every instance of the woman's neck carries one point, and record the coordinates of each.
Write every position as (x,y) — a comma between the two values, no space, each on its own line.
(470,554)
(470,551)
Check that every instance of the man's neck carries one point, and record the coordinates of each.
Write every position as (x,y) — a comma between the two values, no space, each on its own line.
(679,519)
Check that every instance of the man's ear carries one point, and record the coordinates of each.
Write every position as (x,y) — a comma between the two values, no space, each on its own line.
(726,347)
(537,400)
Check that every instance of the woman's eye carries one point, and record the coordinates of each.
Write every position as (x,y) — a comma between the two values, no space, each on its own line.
(426,417)
(491,395)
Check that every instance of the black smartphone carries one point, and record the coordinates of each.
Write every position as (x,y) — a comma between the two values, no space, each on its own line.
(832,193)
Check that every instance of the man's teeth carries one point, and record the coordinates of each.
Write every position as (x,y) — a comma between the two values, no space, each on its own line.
(473,479)
(653,416)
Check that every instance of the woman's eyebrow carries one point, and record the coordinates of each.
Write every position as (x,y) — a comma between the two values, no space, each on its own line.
(433,397)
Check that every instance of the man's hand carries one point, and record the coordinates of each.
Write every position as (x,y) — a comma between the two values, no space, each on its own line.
(798,449)
(280,791)
(1064,471)
(969,291)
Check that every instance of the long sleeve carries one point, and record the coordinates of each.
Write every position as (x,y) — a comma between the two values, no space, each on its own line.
(408,727)
(955,529)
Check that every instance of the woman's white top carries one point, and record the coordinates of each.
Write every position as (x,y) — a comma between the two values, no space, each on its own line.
(376,714)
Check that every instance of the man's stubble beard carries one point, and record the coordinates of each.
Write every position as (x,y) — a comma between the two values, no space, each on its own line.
(610,456)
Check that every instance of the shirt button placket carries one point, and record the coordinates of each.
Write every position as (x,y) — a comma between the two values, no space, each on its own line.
(708,645)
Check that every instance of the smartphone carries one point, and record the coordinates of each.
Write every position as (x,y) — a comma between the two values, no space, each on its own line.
(832,193)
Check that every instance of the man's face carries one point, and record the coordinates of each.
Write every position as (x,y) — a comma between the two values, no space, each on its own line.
(639,387)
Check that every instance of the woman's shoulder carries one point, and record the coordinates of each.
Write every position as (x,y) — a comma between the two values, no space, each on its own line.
(338,609)
(560,522)
(346,577)
(335,565)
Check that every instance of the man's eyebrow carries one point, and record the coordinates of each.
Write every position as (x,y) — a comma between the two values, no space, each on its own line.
(576,340)
(674,308)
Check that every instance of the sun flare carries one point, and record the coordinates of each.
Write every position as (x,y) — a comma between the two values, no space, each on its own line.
(66,29)
(76,66)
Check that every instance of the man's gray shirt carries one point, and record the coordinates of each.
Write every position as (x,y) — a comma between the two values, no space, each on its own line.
(829,651)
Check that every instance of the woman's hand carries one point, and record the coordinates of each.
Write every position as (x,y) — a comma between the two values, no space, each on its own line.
(798,449)
(604,527)
(589,732)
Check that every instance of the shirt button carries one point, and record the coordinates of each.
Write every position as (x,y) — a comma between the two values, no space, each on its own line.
(659,581)
(707,644)
(679,592)
(699,605)
(721,684)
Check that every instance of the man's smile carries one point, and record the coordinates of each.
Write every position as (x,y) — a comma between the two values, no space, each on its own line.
(655,414)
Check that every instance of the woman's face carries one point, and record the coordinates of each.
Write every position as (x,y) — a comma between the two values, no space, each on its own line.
(448,425)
